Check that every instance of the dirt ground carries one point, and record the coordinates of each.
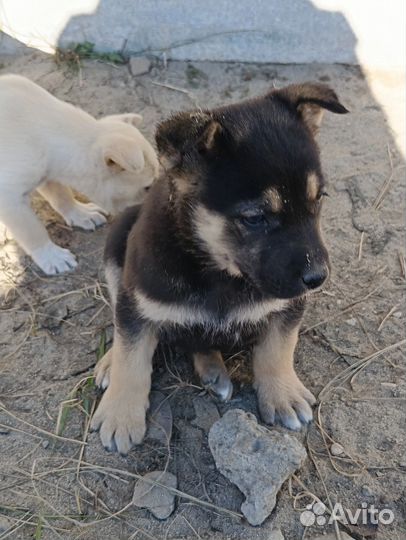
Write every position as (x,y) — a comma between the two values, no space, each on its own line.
(351,351)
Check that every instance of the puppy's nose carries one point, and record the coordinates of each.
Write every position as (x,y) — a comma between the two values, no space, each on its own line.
(315,277)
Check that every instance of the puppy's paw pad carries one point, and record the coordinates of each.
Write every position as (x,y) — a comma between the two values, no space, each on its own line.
(121,422)
(53,259)
(86,216)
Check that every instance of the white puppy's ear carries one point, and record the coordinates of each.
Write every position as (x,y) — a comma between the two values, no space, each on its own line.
(128,118)
(123,152)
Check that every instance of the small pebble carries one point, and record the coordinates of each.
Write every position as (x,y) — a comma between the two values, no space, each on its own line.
(367,491)
(5,524)
(384,499)
(158,500)
(351,322)
(276,534)
(336,449)
(397,314)
(45,443)
(139,65)
(402,464)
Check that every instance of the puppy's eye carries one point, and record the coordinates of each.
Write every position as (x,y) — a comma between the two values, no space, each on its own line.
(253,221)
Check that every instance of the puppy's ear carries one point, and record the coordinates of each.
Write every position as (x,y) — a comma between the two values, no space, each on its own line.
(310,100)
(186,133)
(128,118)
(123,153)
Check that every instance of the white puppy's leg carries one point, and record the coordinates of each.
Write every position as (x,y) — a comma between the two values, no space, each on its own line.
(31,235)
(87,216)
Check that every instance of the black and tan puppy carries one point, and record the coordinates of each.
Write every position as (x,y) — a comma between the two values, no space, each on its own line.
(222,253)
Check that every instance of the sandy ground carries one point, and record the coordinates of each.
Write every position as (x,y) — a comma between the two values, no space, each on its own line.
(51,331)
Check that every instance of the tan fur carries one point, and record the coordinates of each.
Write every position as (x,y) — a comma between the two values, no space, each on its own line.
(210,135)
(209,228)
(312,115)
(120,416)
(112,274)
(273,197)
(213,373)
(312,187)
(280,392)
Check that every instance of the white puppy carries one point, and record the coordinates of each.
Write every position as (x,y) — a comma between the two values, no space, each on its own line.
(48,145)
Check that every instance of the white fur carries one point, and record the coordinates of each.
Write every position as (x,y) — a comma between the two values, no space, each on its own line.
(49,146)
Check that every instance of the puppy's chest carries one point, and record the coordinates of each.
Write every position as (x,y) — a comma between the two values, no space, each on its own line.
(209,320)
(200,337)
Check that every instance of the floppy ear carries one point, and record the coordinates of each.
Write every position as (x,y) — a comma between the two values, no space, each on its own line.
(123,152)
(309,100)
(128,118)
(185,133)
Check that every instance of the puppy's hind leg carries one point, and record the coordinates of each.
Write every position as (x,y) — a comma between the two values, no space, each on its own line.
(86,216)
(213,374)
(26,229)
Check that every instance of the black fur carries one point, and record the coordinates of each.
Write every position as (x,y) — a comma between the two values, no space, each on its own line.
(224,161)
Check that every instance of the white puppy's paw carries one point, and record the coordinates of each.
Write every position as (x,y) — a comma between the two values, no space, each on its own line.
(86,216)
(53,259)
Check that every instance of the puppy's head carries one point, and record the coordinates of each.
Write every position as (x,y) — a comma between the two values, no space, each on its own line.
(126,162)
(251,175)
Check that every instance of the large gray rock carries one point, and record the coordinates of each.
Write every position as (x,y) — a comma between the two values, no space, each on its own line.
(156,498)
(254,458)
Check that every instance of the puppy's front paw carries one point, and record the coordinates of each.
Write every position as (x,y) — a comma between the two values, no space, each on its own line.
(120,420)
(86,216)
(53,259)
(286,400)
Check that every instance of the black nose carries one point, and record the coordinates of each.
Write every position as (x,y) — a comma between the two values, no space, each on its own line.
(315,277)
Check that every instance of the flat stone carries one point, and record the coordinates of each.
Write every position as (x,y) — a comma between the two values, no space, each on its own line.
(206,413)
(256,459)
(158,500)
(139,65)
(159,418)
